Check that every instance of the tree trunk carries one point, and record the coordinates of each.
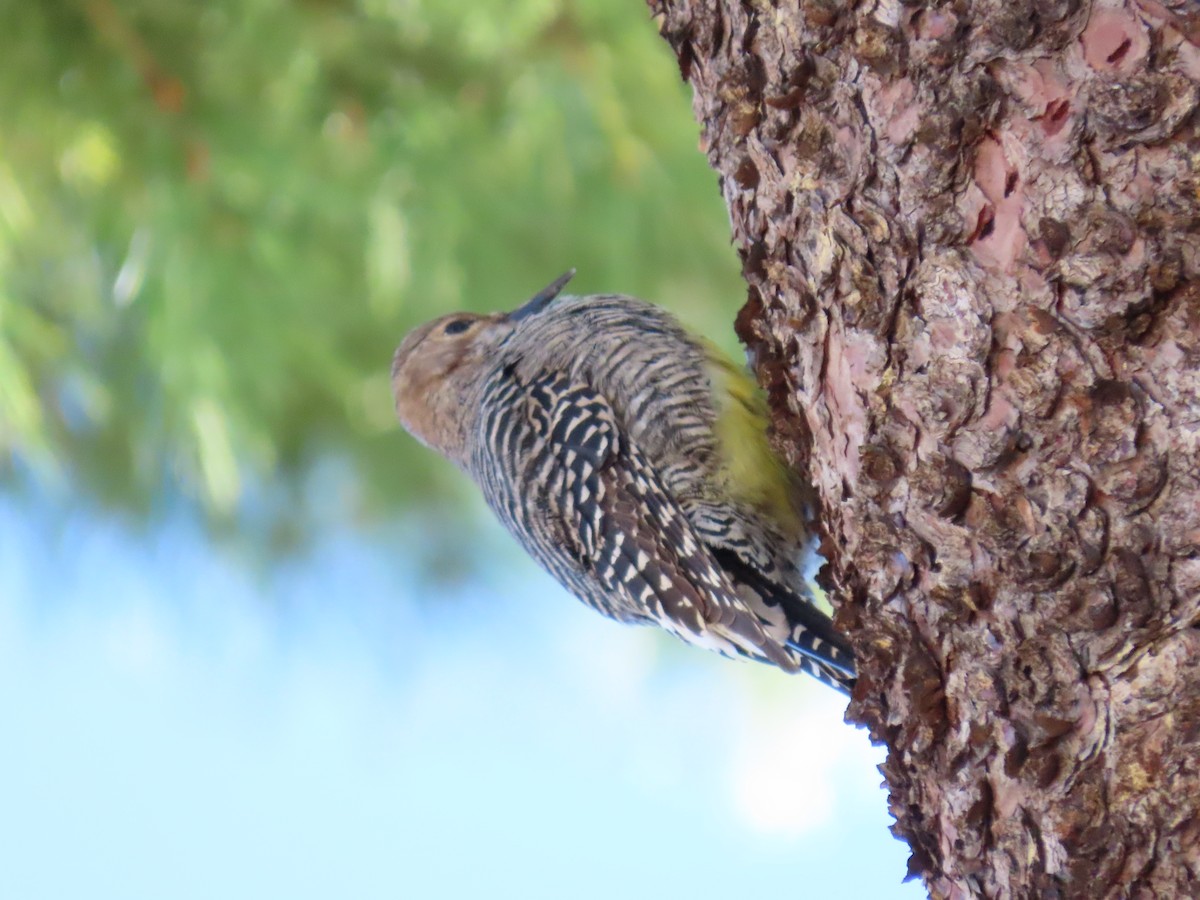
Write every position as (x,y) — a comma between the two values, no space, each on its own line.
(971,233)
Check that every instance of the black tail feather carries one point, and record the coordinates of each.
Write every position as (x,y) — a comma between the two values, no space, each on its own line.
(824,653)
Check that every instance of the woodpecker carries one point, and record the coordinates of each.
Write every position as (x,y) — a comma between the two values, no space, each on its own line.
(631,460)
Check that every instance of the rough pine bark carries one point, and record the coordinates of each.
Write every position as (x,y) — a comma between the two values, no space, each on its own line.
(971,234)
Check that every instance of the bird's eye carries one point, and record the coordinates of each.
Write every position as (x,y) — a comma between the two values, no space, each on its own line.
(458,326)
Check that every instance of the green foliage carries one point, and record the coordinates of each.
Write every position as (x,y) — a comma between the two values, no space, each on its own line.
(217,220)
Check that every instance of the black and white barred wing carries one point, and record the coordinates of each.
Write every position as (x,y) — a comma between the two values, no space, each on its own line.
(599,519)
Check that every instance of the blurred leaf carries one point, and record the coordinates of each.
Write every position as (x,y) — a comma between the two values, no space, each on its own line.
(217,220)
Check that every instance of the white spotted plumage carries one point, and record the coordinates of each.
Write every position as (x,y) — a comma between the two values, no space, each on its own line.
(590,425)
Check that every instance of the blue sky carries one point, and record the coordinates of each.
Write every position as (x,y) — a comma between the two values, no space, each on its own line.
(178,727)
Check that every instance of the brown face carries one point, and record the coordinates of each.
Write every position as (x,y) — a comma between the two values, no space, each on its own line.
(436,363)
(423,369)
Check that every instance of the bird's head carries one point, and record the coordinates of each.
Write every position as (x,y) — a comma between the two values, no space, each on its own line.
(437,365)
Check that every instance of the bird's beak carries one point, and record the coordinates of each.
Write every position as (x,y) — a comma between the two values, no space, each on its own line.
(542,298)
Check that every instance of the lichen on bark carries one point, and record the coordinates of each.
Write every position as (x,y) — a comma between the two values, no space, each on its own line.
(971,236)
